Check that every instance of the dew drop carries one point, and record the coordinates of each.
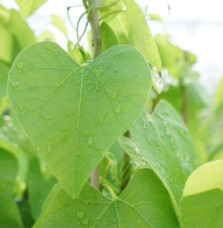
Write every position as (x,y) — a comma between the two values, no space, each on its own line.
(118,108)
(46,116)
(14,84)
(86,203)
(19,66)
(88,83)
(20,106)
(114,94)
(114,221)
(120,52)
(116,70)
(80,214)
(102,119)
(85,221)
(91,141)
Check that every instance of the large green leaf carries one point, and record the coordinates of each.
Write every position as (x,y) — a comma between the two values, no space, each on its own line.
(202,205)
(9,213)
(28,7)
(73,113)
(165,143)
(130,27)
(38,187)
(8,171)
(144,203)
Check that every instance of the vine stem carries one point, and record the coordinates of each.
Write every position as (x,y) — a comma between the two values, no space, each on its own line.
(93,18)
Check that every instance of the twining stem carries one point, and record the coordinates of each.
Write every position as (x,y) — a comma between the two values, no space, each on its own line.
(95,28)
(91,7)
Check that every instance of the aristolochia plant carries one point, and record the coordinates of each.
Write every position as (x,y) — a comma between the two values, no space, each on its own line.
(106,149)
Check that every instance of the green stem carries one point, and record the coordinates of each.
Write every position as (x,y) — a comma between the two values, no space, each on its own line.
(90,7)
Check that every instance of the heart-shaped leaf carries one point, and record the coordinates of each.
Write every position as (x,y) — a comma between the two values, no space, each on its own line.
(144,203)
(73,113)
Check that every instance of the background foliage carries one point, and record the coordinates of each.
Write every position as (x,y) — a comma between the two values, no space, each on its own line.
(159,157)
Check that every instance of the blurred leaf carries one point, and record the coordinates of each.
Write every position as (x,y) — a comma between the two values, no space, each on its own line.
(28,7)
(78,53)
(8,172)
(9,213)
(25,213)
(108,37)
(202,204)
(38,187)
(219,95)
(203,210)
(60,24)
(6,44)
(173,58)
(4,68)
(46,36)
(132,209)
(130,27)
(206,177)
(155,17)
(20,29)
(165,143)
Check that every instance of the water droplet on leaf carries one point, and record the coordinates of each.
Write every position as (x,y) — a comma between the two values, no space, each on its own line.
(85,221)
(20,66)
(14,84)
(46,116)
(80,214)
(91,141)
(118,108)
(120,52)
(20,106)
(114,94)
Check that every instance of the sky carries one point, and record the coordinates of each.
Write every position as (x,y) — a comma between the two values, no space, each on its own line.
(195,25)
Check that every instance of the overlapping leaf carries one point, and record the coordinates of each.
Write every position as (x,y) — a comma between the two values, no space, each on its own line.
(73,113)
(144,203)
(202,205)
(165,143)
(130,27)
(28,7)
